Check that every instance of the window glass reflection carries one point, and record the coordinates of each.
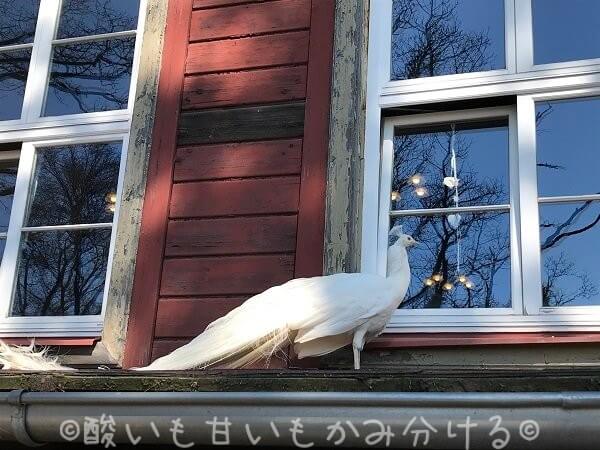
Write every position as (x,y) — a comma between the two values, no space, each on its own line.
(565,30)
(90,76)
(568,143)
(14,66)
(90,17)
(569,235)
(423,175)
(75,184)
(461,262)
(8,178)
(61,273)
(443,37)
(17,21)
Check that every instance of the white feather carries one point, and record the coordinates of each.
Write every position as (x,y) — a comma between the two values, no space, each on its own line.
(26,358)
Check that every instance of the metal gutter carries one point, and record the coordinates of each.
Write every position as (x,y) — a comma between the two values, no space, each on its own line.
(491,420)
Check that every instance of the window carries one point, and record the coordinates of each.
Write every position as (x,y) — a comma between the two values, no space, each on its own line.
(68,69)
(482,143)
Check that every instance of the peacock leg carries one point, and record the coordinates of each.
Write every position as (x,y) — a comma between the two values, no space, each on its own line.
(356,357)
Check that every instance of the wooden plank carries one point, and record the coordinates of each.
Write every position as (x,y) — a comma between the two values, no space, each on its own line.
(244,88)
(313,182)
(235,197)
(250,19)
(156,200)
(230,275)
(248,159)
(248,53)
(199,4)
(204,237)
(242,124)
(188,317)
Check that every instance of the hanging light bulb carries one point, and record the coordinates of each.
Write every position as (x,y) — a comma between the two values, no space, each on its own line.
(421,191)
(429,282)
(416,179)
(447,286)
(469,285)
(437,277)
(395,196)
(462,279)
(111,202)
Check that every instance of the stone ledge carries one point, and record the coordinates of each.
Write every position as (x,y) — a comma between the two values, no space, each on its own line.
(406,379)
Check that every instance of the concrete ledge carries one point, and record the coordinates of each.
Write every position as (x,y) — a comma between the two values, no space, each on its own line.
(406,379)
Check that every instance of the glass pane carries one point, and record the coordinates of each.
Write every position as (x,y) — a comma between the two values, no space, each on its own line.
(2,247)
(17,23)
(8,178)
(90,76)
(14,66)
(570,238)
(89,17)
(75,184)
(461,262)
(565,30)
(423,176)
(441,37)
(568,145)
(61,273)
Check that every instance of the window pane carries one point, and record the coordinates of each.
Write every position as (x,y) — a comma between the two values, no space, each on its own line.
(565,30)
(2,247)
(8,177)
(17,21)
(570,238)
(74,184)
(90,76)
(474,246)
(440,37)
(14,66)
(568,144)
(422,169)
(89,17)
(61,273)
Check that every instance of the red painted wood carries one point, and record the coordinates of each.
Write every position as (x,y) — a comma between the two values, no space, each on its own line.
(231,236)
(311,216)
(198,4)
(53,341)
(231,275)
(250,19)
(246,159)
(235,197)
(178,318)
(248,53)
(144,301)
(164,346)
(417,340)
(244,88)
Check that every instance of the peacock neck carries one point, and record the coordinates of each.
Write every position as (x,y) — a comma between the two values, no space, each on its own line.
(397,263)
(398,268)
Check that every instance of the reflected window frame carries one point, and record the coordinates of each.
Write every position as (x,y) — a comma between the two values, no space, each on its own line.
(405,318)
(527,312)
(520,68)
(33,130)
(38,76)
(82,325)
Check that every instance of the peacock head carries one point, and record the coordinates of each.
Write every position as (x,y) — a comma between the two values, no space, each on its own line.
(397,236)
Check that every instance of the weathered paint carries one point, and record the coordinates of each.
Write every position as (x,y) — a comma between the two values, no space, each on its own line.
(134,182)
(346,141)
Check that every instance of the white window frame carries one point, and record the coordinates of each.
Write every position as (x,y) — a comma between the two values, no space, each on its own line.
(557,81)
(34,131)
